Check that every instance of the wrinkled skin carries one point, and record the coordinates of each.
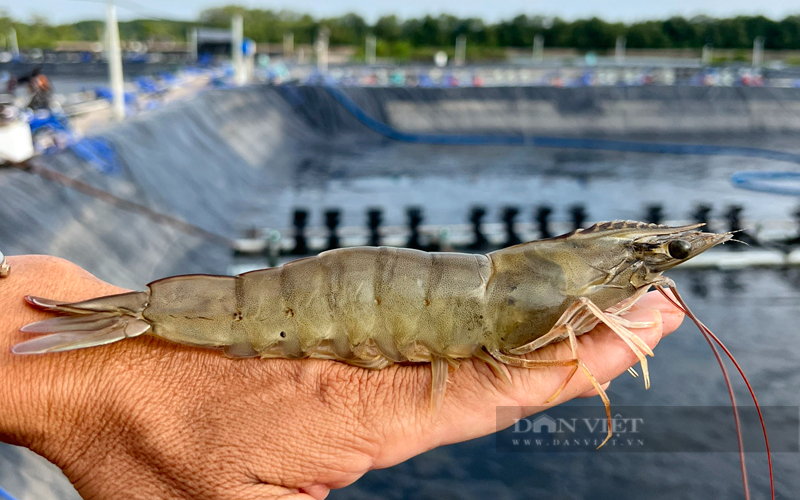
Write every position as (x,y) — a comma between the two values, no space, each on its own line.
(150,419)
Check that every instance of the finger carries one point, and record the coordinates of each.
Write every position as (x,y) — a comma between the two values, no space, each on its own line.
(262,491)
(671,315)
(655,300)
(607,356)
(603,352)
(593,392)
(599,344)
(317,492)
(478,402)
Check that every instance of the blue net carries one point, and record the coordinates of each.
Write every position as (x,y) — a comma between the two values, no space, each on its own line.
(97,152)
(52,134)
(787,183)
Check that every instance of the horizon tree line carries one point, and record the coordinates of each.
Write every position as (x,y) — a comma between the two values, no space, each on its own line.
(263,25)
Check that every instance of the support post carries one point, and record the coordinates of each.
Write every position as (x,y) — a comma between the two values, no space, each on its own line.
(288,45)
(758,51)
(619,50)
(192,41)
(114,55)
(708,54)
(12,40)
(370,50)
(538,48)
(322,50)
(461,50)
(237,41)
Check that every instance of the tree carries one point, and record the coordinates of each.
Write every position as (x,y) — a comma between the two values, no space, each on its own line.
(387,28)
(647,35)
(349,29)
(789,33)
(681,33)
(594,33)
(422,36)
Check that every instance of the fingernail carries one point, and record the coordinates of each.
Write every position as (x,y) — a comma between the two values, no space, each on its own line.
(671,320)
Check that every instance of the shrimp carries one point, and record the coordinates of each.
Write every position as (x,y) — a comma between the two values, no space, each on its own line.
(375,306)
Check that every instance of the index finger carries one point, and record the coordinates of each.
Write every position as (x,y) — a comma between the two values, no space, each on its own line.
(474,392)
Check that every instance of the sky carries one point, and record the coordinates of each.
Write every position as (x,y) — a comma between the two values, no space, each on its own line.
(63,11)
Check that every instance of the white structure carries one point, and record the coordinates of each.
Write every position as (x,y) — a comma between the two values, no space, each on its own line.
(708,53)
(461,50)
(192,36)
(619,50)
(538,48)
(758,51)
(288,44)
(114,62)
(12,41)
(237,47)
(370,50)
(322,50)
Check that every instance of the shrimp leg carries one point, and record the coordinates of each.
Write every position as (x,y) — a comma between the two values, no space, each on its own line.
(575,363)
(4,267)
(585,315)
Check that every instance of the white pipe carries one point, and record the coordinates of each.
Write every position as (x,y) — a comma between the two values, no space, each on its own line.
(619,50)
(12,38)
(322,50)
(371,49)
(237,40)
(115,63)
(288,45)
(758,51)
(538,48)
(708,53)
(461,50)
(193,44)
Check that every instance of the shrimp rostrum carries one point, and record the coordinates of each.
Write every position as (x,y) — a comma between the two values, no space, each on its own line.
(372,307)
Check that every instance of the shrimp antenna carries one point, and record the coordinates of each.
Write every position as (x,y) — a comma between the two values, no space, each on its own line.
(728,384)
(709,336)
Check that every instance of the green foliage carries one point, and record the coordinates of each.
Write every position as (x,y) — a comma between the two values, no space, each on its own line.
(647,35)
(150,29)
(680,33)
(89,30)
(400,51)
(414,38)
(387,28)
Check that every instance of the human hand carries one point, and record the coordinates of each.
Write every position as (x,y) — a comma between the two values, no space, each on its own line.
(144,418)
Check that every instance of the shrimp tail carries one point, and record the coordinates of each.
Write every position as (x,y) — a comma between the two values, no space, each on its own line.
(89,323)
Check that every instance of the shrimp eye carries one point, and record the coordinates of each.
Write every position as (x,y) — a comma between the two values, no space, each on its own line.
(679,249)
